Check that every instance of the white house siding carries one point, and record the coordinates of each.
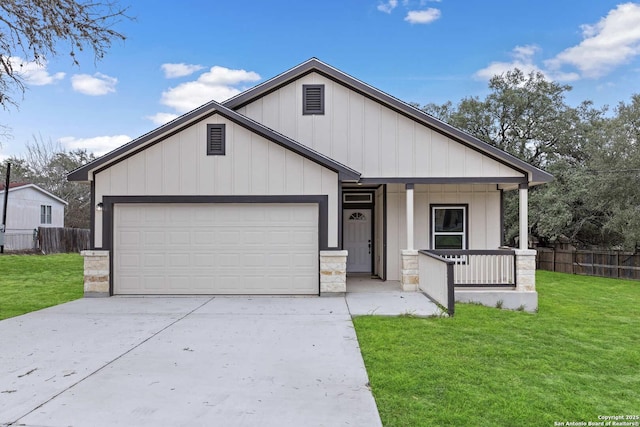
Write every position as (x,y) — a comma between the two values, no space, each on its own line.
(483,221)
(368,137)
(23,213)
(252,165)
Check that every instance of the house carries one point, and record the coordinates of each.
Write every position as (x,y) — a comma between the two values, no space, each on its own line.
(28,208)
(278,189)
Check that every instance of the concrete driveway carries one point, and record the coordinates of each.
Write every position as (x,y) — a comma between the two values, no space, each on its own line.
(221,361)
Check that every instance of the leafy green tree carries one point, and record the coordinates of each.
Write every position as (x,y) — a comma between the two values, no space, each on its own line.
(594,157)
(524,115)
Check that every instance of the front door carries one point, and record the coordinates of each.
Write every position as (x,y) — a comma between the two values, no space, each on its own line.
(357,239)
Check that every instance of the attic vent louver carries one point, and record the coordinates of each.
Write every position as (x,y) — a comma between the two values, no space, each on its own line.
(312,99)
(215,140)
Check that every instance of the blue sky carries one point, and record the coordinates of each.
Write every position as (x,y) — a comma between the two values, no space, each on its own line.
(179,55)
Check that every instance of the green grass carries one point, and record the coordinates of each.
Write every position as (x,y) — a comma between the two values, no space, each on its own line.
(577,358)
(33,282)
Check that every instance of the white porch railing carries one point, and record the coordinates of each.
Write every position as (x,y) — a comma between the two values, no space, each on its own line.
(481,268)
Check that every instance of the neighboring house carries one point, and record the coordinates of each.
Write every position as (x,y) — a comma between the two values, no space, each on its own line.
(28,208)
(240,197)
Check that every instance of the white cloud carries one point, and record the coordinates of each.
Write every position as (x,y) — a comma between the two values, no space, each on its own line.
(219,84)
(614,40)
(523,59)
(422,16)
(179,70)
(98,145)
(33,73)
(96,85)
(388,6)
(162,118)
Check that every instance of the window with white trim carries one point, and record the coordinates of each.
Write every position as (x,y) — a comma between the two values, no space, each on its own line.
(45,214)
(449,227)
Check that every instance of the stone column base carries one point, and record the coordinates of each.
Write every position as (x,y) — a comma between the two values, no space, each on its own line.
(96,273)
(410,270)
(333,272)
(525,270)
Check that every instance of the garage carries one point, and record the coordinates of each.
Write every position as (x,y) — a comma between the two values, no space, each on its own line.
(215,248)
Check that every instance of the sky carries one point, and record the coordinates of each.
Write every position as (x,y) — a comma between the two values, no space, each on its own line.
(180,55)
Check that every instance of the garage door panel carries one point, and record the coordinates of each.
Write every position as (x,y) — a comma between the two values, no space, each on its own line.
(153,238)
(303,237)
(224,237)
(203,236)
(151,217)
(216,249)
(153,283)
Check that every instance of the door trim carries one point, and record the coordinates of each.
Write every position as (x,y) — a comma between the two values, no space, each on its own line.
(371,206)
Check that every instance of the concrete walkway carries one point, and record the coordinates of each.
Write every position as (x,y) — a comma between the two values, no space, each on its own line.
(196,361)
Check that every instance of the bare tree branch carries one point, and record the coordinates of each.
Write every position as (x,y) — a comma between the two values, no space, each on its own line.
(36,30)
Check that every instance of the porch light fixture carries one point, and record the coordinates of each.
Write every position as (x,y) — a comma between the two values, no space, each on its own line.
(99,207)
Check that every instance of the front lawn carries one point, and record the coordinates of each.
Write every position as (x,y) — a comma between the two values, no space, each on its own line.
(575,360)
(33,282)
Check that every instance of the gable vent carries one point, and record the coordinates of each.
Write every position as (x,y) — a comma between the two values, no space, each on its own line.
(215,140)
(312,99)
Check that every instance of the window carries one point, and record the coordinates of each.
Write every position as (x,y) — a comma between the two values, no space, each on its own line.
(449,227)
(312,99)
(215,140)
(357,216)
(357,198)
(45,214)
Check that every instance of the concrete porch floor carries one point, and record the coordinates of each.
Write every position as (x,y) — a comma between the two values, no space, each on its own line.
(371,296)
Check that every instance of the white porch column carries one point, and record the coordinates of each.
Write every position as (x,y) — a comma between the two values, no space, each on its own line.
(524,216)
(409,257)
(409,188)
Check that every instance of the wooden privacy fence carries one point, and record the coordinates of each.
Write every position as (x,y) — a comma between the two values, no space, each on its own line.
(617,264)
(56,240)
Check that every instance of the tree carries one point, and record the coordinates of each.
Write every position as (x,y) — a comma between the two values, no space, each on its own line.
(524,115)
(46,164)
(37,30)
(594,157)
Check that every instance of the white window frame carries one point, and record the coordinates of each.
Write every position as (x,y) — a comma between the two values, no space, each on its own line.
(45,214)
(465,225)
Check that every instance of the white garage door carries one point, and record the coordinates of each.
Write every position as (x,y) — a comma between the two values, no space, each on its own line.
(215,249)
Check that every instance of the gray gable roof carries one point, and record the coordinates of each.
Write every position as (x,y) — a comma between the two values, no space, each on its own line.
(227,110)
(197,115)
(19,186)
(535,175)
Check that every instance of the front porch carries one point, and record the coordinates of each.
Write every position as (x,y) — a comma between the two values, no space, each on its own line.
(372,296)
(502,278)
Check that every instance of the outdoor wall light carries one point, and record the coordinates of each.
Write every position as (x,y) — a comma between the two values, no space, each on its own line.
(99,207)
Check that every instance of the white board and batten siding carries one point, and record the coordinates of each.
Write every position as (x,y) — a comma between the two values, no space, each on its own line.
(252,165)
(483,220)
(215,249)
(369,137)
